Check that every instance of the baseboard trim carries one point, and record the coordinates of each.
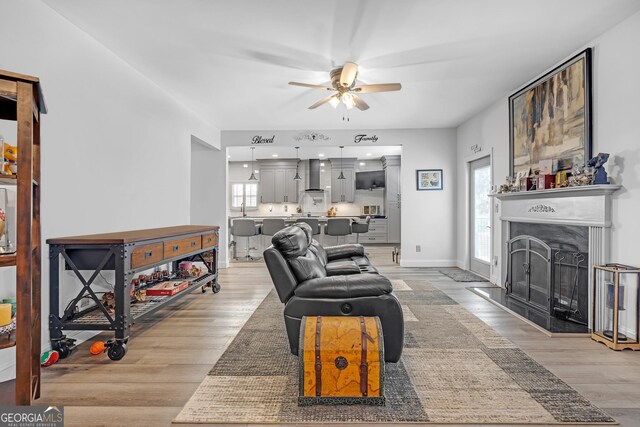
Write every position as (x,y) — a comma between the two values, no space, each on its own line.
(428,263)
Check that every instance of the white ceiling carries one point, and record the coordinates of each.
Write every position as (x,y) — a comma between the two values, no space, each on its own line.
(230,61)
(239,154)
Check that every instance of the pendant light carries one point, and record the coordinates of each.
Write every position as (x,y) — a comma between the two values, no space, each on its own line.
(297,177)
(253,175)
(341,176)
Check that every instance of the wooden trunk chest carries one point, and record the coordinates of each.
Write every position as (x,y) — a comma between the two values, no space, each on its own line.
(341,361)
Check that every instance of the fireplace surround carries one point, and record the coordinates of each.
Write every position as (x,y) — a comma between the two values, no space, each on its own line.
(573,227)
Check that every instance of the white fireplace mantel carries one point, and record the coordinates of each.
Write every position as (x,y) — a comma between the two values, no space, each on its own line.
(587,206)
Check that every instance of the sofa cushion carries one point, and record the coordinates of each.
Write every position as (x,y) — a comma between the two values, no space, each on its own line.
(318,249)
(351,286)
(306,267)
(292,241)
(337,268)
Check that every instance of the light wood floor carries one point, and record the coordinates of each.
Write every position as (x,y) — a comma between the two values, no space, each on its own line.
(172,352)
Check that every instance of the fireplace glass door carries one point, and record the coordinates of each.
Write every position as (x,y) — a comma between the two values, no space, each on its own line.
(530,271)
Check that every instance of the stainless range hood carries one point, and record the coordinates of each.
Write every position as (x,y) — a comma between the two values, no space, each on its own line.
(313,183)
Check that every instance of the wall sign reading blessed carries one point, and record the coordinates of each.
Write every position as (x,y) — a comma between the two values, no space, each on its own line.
(258,139)
(364,138)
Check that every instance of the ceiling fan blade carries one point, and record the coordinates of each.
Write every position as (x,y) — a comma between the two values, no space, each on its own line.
(321,102)
(349,73)
(359,103)
(311,86)
(382,87)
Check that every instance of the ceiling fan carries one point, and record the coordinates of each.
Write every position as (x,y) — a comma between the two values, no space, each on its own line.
(343,81)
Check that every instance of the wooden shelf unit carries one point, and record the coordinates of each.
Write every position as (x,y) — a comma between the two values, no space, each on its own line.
(21,100)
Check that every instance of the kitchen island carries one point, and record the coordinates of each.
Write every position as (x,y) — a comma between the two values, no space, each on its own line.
(377,229)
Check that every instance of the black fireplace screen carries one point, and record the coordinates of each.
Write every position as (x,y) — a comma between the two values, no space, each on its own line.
(549,279)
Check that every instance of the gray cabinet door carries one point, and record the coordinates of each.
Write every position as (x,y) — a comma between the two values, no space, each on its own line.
(267,186)
(393,203)
(280,190)
(291,186)
(343,190)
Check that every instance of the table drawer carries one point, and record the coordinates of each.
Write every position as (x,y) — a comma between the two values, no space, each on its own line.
(146,255)
(209,240)
(173,248)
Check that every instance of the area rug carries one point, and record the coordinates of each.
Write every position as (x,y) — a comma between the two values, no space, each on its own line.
(460,275)
(454,369)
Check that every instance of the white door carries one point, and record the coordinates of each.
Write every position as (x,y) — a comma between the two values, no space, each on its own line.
(480,216)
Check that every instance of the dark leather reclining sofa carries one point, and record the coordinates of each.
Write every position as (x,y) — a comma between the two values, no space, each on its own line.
(334,281)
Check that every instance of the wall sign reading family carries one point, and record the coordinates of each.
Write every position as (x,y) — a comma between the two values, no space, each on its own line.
(429,179)
(259,139)
(365,138)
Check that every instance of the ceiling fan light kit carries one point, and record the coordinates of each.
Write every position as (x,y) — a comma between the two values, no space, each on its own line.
(343,81)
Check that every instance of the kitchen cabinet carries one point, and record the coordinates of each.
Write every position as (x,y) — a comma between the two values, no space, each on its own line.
(276,182)
(267,186)
(393,197)
(378,232)
(343,190)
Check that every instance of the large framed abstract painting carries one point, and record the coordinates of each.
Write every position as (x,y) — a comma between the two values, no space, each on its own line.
(550,119)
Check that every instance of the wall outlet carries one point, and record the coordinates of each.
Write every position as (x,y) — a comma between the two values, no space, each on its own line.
(418,248)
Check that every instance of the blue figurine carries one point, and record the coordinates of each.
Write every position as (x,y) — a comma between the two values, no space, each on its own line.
(600,175)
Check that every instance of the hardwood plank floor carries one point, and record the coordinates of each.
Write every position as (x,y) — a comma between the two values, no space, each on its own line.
(171,352)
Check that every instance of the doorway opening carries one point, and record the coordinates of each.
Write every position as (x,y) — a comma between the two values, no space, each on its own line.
(480,216)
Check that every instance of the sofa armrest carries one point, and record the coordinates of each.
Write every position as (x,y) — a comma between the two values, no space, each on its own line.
(344,251)
(342,267)
(357,285)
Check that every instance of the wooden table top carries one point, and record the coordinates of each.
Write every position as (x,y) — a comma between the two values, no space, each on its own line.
(132,236)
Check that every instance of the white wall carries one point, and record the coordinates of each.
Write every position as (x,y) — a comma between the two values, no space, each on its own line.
(115,147)
(428,217)
(616,88)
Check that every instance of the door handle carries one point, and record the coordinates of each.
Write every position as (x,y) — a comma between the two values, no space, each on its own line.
(526,268)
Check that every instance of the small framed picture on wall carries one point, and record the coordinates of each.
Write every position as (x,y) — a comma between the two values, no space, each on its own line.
(429,179)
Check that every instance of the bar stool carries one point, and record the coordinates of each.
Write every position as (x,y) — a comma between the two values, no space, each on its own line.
(246,228)
(338,227)
(360,227)
(271,226)
(314,223)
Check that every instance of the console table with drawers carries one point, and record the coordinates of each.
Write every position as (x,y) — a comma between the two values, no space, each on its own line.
(126,254)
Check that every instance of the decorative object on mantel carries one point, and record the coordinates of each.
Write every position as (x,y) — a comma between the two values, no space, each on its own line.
(311,136)
(616,306)
(597,162)
(429,179)
(551,117)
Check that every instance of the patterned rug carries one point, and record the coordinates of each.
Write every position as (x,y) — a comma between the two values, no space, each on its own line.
(460,275)
(454,369)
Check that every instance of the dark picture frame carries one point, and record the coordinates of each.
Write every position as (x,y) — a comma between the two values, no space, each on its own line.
(429,179)
(550,118)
